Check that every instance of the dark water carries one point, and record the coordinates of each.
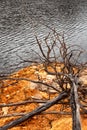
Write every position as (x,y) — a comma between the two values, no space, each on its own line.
(20,20)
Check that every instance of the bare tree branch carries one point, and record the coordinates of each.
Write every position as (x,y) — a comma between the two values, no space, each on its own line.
(35,112)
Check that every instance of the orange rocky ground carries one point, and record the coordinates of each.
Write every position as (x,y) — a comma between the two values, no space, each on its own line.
(24,90)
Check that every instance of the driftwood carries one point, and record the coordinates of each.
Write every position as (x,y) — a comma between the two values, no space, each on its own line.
(35,112)
(75,93)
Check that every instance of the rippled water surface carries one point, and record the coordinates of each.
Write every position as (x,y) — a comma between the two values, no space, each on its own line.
(20,20)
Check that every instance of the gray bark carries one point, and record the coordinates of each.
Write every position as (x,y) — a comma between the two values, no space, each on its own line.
(76,123)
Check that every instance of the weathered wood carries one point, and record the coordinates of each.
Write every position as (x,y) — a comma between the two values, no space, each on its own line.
(34,112)
(76,123)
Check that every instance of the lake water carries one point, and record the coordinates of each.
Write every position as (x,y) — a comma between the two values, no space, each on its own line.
(20,20)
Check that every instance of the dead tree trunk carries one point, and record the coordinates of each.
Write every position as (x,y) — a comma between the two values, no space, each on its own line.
(65,81)
(76,123)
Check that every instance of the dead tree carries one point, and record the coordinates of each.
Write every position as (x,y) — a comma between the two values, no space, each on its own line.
(69,88)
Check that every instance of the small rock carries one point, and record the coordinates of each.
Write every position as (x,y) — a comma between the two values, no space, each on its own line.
(37,96)
(33,86)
